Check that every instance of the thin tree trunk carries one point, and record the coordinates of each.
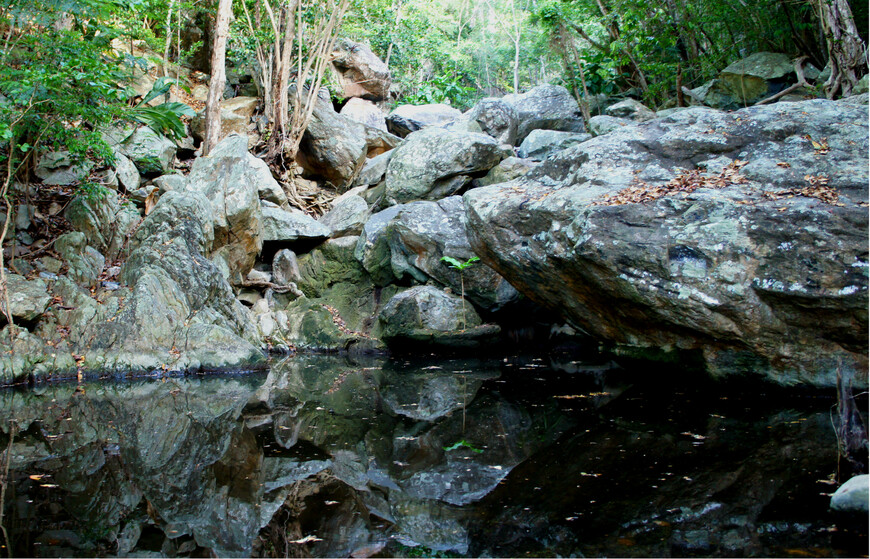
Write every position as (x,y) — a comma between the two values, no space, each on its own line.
(168,42)
(847,53)
(218,77)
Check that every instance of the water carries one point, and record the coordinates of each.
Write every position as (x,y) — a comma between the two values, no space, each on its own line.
(331,456)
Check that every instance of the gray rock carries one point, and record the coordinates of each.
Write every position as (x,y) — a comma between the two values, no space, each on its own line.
(604,124)
(425,314)
(862,86)
(547,107)
(289,226)
(285,267)
(374,170)
(756,77)
(744,281)
(28,299)
(409,118)
(373,248)
(435,163)
(347,216)
(364,112)
(508,170)
(540,144)
(333,147)
(424,232)
(630,109)
(24,214)
(236,116)
(167,183)
(360,72)
(125,170)
(496,118)
(852,496)
(151,152)
(331,263)
(713,95)
(85,262)
(106,222)
(56,168)
(230,179)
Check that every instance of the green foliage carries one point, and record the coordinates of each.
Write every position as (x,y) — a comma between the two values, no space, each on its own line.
(463,443)
(461,266)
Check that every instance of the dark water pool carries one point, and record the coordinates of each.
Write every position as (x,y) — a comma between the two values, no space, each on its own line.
(338,457)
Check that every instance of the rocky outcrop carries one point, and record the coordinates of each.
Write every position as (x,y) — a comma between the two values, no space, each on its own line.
(435,163)
(547,107)
(105,221)
(761,267)
(540,144)
(409,118)
(360,72)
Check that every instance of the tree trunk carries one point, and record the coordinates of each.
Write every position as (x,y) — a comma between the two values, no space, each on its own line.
(168,43)
(218,77)
(847,53)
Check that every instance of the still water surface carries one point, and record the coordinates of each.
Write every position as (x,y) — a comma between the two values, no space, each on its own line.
(330,456)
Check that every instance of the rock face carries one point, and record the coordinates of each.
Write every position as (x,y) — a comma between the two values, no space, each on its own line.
(757,76)
(230,178)
(496,118)
(751,272)
(364,112)
(435,163)
(426,314)
(106,223)
(333,147)
(409,118)
(540,144)
(360,72)
(547,107)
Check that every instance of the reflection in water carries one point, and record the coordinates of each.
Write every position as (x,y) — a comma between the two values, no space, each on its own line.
(327,456)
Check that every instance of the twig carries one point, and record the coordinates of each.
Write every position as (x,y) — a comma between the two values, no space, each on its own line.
(802,82)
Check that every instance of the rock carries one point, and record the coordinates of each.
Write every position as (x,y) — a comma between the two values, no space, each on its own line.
(364,112)
(373,248)
(289,226)
(333,147)
(861,99)
(604,124)
(24,214)
(106,222)
(424,232)
(713,95)
(630,109)
(285,268)
(863,86)
(125,170)
(852,496)
(25,355)
(496,118)
(200,92)
(236,114)
(347,216)
(424,314)
(379,142)
(85,262)
(435,163)
(151,152)
(360,72)
(743,281)
(28,299)
(540,144)
(140,195)
(230,178)
(508,170)
(56,168)
(331,263)
(374,170)
(756,77)
(167,183)
(547,107)
(409,118)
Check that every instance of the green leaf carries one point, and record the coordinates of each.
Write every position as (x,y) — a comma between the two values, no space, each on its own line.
(464,443)
(452,261)
(160,87)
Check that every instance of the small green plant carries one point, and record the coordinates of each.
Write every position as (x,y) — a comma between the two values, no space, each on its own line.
(461,266)
(464,443)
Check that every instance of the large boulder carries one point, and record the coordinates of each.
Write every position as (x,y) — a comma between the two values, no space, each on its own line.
(540,144)
(347,216)
(152,153)
(373,247)
(757,266)
(236,115)
(288,226)
(548,107)
(230,178)
(496,118)
(604,124)
(28,299)
(107,223)
(756,77)
(508,170)
(424,314)
(630,109)
(360,72)
(435,163)
(364,112)
(333,147)
(409,118)
(424,232)
(852,496)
